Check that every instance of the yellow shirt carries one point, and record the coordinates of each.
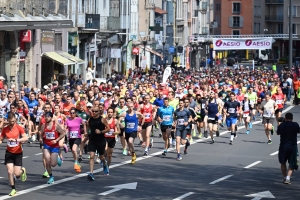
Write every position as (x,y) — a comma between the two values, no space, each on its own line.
(152,100)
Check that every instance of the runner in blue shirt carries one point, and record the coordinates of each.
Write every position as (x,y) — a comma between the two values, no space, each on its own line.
(165,118)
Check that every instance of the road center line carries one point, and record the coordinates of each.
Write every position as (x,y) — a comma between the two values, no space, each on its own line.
(25,156)
(273,154)
(38,154)
(220,179)
(113,166)
(251,165)
(183,196)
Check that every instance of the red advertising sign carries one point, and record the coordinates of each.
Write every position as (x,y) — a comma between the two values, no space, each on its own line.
(135,51)
(25,36)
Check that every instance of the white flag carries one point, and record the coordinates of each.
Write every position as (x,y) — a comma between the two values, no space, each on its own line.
(167,73)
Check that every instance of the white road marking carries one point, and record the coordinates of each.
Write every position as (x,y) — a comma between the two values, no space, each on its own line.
(1,177)
(183,196)
(113,166)
(298,142)
(25,156)
(110,191)
(2,162)
(273,154)
(38,154)
(251,165)
(220,179)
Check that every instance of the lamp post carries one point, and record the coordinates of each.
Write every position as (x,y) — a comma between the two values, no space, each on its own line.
(176,41)
(144,40)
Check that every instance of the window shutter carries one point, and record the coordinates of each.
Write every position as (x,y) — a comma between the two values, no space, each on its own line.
(170,12)
(241,21)
(58,42)
(230,21)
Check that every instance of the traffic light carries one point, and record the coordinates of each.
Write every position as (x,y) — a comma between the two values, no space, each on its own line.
(179,49)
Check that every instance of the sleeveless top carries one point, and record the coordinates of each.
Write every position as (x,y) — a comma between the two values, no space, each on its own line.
(212,109)
(111,129)
(50,135)
(131,123)
(148,113)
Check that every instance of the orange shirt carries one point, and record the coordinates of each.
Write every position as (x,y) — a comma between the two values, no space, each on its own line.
(67,107)
(14,133)
(296,84)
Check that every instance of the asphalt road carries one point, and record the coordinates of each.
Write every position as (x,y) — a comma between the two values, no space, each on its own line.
(209,171)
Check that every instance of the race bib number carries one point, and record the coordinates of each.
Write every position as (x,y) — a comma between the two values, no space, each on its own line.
(130,125)
(246,114)
(50,135)
(267,113)
(180,121)
(30,110)
(74,134)
(252,102)
(231,110)
(59,120)
(12,143)
(211,118)
(166,117)
(147,115)
(110,133)
(284,85)
(278,101)
(203,105)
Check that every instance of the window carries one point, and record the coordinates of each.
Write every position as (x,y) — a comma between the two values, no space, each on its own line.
(235,32)
(294,11)
(236,22)
(236,8)
(218,7)
(256,28)
(279,28)
(257,11)
(294,29)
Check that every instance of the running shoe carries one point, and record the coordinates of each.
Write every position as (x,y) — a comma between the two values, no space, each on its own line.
(80,159)
(133,159)
(13,192)
(65,148)
(117,139)
(143,144)
(91,177)
(45,175)
(151,143)
(247,132)
(230,142)
(191,140)
(222,124)
(59,161)
(165,153)
(51,180)
(185,152)
(23,175)
(269,141)
(174,142)
(179,157)
(156,125)
(250,125)
(205,134)
(159,135)
(194,133)
(200,135)
(152,133)
(272,131)
(212,141)
(125,152)
(217,133)
(105,168)
(287,181)
(77,167)
(146,153)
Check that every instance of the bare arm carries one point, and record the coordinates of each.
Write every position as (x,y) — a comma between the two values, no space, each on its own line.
(107,129)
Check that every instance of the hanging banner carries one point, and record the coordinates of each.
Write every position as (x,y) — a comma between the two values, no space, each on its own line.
(242,43)
(167,73)
(187,57)
(128,57)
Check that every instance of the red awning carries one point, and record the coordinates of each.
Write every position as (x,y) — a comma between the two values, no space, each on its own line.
(160,11)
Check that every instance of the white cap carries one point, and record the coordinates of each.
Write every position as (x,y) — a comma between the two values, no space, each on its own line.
(109,93)
(103,92)
(246,96)
(116,87)
(46,87)
(109,83)
(113,76)
(89,104)
(65,92)
(2,78)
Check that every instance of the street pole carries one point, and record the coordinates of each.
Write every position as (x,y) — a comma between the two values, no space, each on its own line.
(290,37)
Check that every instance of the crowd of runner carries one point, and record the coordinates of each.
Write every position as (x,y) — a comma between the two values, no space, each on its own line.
(90,118)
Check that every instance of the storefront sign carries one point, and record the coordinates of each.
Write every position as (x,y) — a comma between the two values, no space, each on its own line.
(25,36)
(135,51)
(48,37)
(242,43)
(92,21)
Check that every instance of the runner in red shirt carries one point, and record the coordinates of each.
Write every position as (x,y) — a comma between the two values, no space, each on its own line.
(15,135)
(148,111)
(279,98)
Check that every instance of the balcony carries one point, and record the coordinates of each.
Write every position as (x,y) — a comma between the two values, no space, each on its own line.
(109,23)
(204,30)
(274,18)
(236,25)
(274,1)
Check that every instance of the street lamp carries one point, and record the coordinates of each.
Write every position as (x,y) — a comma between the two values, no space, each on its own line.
(144,40)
